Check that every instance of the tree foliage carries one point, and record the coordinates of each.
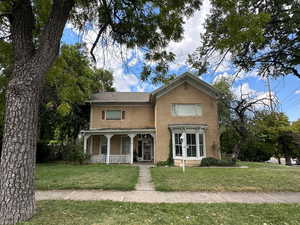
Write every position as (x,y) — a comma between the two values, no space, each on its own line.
(69,83)
(251,132)
(258,34)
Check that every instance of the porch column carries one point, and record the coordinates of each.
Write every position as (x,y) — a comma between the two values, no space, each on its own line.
(131,147)
(108,136)
(154,145)
(197,145)
(85,139)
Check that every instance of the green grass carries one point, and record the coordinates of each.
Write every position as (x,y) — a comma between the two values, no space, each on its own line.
(65,176)
(112,213)
(259,177)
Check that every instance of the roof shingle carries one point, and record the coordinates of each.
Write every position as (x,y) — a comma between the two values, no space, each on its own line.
(120,97)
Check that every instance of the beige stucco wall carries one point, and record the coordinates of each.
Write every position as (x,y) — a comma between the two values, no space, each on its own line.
(163,117)
(136,116)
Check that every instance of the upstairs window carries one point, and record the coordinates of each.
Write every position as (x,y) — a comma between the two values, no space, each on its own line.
(113,115)
(186,110)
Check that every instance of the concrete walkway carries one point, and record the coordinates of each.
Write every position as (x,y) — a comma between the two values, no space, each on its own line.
(170,197)
(145,180)
(145,192)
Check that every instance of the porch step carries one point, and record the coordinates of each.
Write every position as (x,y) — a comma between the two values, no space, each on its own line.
(145,181)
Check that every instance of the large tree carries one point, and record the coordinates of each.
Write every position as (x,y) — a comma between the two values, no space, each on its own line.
(236,111)
(35,27)
(262,35)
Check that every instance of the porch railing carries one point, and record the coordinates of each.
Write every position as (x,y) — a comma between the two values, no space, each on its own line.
(115,158)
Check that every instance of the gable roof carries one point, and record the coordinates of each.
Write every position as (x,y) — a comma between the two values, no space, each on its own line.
(190,79)
(111,97)
(144,97)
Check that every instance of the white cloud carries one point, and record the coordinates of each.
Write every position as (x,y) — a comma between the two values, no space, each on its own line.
(243,90)
(124,82)
(297,92)
(192,28)
(225,75)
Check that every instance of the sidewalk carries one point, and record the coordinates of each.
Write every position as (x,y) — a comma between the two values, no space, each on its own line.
(170,197)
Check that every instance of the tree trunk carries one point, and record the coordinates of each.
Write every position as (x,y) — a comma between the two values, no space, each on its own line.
(288,161)
(31,63)
(17,201)
(279,160)
(236,151)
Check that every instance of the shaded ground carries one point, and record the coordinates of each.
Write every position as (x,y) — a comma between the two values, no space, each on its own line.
(65,176)
(108,213)
(259,177)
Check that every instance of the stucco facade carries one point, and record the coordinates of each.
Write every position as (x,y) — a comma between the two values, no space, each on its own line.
(149,124)
(136,116)
(185,93)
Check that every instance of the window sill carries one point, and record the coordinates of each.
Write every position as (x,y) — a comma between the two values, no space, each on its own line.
(189,158)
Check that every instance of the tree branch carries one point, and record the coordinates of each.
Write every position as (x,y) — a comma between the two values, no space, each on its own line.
(102,29)
(22,25)
(50,37)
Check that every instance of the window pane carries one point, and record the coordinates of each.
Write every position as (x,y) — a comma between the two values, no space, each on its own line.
(191,151)
(125,145)
(103,139)
(201,150)
(177,139)
(103,149)
(200,139)
(113,114)
(103,143)
(191,139)
(178,150)
(201,144)
(187,110)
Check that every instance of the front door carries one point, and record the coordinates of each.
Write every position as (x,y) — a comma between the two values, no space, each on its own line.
(145,149)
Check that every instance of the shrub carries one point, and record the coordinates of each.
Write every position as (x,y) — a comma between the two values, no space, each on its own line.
(256,152)
(74,153)
(210,161)
(45,152)
(164,163)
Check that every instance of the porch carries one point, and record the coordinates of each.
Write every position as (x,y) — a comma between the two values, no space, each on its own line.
(119,146)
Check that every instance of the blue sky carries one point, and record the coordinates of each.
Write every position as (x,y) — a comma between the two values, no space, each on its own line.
(126,66)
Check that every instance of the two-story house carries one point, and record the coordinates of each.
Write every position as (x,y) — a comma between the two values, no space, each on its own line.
(136,126)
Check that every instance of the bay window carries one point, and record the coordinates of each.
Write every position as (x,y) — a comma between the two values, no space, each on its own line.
(195,145)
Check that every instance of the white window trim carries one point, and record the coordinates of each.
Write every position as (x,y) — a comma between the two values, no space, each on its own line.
(198,157)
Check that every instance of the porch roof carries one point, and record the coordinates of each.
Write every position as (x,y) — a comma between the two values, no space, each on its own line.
(119,131)
(188,126)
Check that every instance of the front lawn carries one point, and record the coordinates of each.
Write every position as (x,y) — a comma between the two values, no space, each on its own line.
(65,176)
(261,177)
(111,213)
